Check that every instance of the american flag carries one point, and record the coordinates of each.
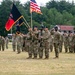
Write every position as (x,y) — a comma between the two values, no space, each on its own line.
(34,7)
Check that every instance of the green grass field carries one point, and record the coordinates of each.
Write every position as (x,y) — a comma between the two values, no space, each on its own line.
(17,64)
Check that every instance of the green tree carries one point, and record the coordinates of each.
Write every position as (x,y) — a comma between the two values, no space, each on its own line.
(67,18)
(4,13)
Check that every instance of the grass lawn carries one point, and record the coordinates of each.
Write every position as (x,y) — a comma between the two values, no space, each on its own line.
(17,64)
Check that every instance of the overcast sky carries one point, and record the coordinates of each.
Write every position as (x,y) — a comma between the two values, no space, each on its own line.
(41,2)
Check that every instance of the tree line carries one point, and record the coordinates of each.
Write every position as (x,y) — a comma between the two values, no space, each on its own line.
(54,13)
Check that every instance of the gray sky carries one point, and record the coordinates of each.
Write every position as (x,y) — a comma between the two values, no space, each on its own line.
(41,2)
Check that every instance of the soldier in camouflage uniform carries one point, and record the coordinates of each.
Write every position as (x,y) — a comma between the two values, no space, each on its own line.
(29,37)
(3,43)
(18,41)
(14,42)
(61,42)
(66,40)
(70,36)
(6,41)
(73,41)
(35,42)
(46,39)
(56,42)
(41,42)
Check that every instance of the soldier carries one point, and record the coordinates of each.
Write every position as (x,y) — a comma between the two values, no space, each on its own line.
(3,43)
(14,42)
(73,41)
(41,42)
(66,40)
(18,38)
(61,42)
(7,41)
(70,36)
(56,42)
(46,39)
(29,37)
(18,41)
(35,42)
(26,41)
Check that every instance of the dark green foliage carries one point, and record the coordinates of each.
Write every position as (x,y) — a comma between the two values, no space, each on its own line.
(54,13)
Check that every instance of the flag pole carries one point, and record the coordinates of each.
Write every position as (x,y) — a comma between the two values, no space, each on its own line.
(25,25)
(25,21)
(31,21)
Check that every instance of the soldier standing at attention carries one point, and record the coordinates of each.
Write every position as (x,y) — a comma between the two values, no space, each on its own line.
(70,36)
(73,41)
(41,47)
(61,42)
(35,42)
(66,40)
(46,38)
(18,41)
(3,43)
(7,42)
(56,42)
(14,42)
(18,38)
(29,37)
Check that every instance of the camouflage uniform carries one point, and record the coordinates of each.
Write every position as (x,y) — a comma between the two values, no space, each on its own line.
(61,42)
(56,43)
(73,41)
(7,41)
(70,43)
(66,42)
(18,38)
(41,46)
(14,42)
(46,38)
(3,43)
(29,44)
(35,43)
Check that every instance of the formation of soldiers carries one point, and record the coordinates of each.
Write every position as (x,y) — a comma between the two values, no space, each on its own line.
(34,42)
(3,43)
(39,43)
(69,42)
